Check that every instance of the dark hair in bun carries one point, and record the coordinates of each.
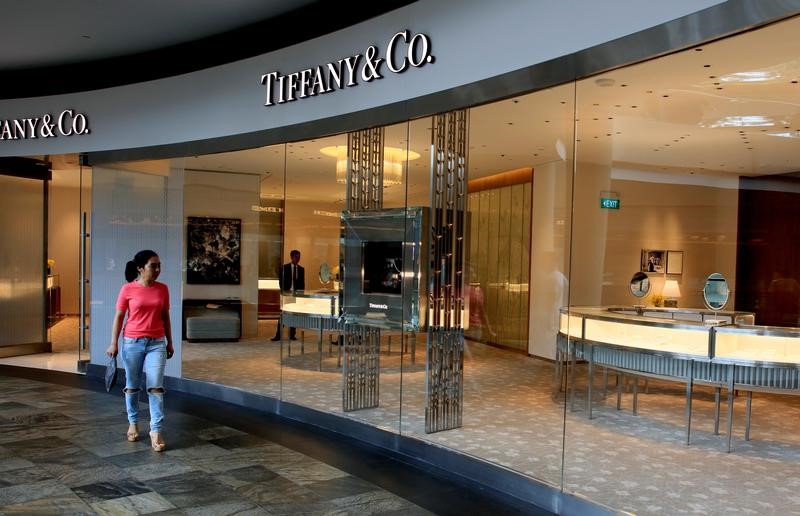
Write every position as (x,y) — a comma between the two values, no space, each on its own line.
(139,261)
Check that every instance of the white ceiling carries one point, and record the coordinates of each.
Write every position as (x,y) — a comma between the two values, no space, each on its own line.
(45,33)
(668,114)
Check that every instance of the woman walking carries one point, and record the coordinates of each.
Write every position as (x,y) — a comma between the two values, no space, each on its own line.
(146,341)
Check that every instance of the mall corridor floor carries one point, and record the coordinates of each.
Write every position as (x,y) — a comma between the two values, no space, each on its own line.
(63,451)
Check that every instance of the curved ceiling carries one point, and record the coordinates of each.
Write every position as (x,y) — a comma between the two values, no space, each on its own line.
(46,33)
(53,46)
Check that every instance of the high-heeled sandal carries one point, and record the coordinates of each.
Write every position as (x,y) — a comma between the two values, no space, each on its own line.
(133,433)
(157,442)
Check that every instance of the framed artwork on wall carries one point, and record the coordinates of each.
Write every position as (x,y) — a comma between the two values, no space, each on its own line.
(213,254)
(653,260)
(674,262)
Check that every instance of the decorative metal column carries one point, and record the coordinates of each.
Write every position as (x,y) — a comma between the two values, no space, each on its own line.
(444,385)
(365,169)
(361,367)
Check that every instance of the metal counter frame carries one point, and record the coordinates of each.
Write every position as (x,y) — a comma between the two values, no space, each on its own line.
(318,322)
(717,371)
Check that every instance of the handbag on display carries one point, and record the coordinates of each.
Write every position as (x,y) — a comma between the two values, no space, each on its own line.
(111,373)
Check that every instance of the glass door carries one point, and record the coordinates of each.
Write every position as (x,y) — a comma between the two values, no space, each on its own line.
(66,312)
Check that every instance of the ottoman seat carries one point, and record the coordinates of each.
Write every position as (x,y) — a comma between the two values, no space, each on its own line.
(212,322)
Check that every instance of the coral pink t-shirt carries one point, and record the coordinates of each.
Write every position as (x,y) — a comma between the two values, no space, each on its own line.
(144,306)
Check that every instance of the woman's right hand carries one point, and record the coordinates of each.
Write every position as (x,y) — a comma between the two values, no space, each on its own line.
(112,350)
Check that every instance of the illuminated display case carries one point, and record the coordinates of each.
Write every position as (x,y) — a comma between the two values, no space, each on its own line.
(683,332)
(325,304)
(757,344)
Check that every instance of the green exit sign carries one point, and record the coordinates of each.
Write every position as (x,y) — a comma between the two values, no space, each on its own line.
(609,204)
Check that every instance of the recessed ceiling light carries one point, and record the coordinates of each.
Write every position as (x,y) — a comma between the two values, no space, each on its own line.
(741,121)
(605,82)
(755,76)
(788,134)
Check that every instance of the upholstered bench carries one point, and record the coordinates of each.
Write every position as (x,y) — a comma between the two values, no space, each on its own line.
(212,322)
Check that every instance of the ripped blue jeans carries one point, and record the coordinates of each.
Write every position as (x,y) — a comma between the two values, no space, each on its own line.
(149,356)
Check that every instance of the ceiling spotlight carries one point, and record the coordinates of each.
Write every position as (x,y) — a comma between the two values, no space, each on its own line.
(605,82)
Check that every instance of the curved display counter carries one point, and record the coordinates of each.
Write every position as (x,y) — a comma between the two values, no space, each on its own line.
(720,349)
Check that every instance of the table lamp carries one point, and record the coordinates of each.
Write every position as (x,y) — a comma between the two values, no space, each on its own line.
(671,293)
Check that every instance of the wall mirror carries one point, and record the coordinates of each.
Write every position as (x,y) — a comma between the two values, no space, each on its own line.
(324,273)
(640,284)
(716,292)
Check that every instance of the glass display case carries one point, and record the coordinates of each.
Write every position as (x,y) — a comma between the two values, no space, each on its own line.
(689,346)
(317,311)
(751,345)
(320,303)
(385,275)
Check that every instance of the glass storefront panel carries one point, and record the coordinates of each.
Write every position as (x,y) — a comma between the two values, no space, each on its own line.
(233,209)
(685,169)
(519,172)
(314,199)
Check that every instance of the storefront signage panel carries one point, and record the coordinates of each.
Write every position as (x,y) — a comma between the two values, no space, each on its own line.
(67,123)
(403,51)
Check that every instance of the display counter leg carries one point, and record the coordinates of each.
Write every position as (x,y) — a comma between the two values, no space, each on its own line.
(748,407)
(302,342)
(717,395)
(731,370)
(689,389)
(620,383)
(573,372)
(558,369)
(319,344)
(589,385)
(635,395)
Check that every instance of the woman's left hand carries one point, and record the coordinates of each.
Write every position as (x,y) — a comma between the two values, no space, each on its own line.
(170,350)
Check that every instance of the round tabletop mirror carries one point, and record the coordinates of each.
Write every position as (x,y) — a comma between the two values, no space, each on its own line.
(640,284)
(325,273)
(715,291)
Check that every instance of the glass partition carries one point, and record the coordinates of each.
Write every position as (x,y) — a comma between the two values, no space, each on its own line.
(685,165)
(233,212)
(519,171)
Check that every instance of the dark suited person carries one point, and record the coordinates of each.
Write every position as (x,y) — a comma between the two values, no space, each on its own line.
(292,278)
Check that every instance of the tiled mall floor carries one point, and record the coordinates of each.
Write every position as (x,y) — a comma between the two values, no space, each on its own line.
(63,451)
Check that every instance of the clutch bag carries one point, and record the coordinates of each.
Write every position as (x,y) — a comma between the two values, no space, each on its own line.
(111,373)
